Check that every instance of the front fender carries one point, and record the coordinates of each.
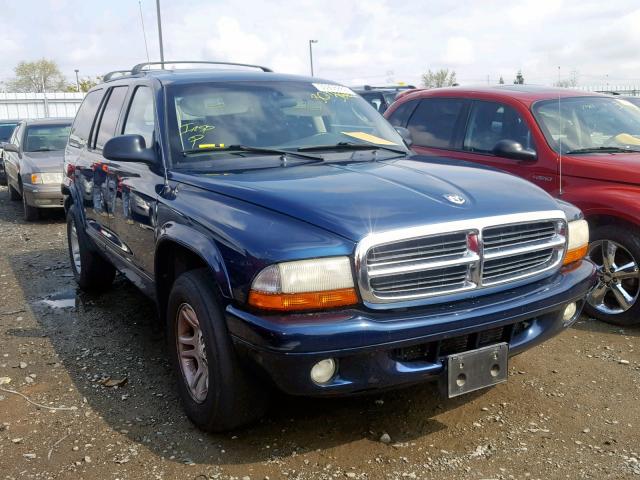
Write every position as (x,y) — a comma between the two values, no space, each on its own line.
(201,245)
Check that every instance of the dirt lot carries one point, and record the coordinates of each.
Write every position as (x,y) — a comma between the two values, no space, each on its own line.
(571,408)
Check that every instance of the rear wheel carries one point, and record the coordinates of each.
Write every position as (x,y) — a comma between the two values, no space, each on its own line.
(31,214)
(217,393)
(90,269)
(616,252)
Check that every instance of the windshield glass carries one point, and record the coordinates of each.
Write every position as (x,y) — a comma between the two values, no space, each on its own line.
(6,130)
(589,123)
(43,138)
(277,115)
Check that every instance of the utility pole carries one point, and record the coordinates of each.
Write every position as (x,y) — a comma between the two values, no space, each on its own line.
(160,34)
(311,54)
(77,80)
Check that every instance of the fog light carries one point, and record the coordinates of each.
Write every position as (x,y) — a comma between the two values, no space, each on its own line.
(323,371)
(569,311)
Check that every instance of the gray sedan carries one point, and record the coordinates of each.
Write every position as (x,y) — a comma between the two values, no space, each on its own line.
(33,162)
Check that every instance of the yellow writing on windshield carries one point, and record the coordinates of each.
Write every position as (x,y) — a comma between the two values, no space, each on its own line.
(367,137)
(195,131)
(326,96)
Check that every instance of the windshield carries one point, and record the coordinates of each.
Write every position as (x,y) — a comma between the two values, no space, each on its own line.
(276,115)
(589,124)
(44,138)
(6,130)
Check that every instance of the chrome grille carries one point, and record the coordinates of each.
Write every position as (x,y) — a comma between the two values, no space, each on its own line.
(421,262)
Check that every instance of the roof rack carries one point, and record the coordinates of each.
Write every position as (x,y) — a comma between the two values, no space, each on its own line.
(389,87)
(141,67)
(115,73)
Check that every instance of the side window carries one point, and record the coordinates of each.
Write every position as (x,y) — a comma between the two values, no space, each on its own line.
(141,119)
(491,122)
(110,115)
(81,128)
(400,115)
(433,124)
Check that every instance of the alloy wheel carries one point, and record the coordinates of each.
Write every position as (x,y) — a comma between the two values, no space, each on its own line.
(192,353)
(618,278)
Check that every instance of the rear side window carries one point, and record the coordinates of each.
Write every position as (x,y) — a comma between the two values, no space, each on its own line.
(141,118)
(84,119)
(490,122)
(110,115)
(400,115)
(434,122)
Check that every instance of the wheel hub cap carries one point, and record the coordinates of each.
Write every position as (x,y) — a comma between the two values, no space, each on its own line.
(618,278)
(192,353)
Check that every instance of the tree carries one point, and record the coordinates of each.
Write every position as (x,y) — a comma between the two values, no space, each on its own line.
(519,80)
(439,78)
(501,81)
(86,84)
(570,82)
(40,76)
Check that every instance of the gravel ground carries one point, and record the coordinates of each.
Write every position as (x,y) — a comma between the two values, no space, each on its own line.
(91,396)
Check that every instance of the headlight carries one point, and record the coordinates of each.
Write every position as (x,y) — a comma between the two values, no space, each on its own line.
(578,241)
(42,178)
(304,285)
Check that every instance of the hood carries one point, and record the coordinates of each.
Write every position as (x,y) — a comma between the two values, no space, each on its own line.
(355,199)
(612,167)
(43,161)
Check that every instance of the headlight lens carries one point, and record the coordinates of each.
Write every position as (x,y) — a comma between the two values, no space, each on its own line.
(304,285)
(578,242)
(42,178)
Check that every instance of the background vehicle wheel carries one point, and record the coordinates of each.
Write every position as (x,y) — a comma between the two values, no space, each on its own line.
(90,269)
(216,392)
(13,193)
(616,252)
(31,214)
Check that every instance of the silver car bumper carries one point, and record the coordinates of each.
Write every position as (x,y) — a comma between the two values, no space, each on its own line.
(43,196)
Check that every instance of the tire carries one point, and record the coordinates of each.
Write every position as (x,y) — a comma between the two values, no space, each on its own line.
(13,193)
(228,397)
(31,214)
(616,297)
(91,270)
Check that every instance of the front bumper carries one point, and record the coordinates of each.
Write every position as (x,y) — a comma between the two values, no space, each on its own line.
(380,350)
(43,196)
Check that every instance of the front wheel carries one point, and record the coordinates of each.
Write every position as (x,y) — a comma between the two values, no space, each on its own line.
(31,214)
(216,392)
(616,252)
(14,194)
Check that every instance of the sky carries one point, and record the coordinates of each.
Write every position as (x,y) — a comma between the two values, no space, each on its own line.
(372,42)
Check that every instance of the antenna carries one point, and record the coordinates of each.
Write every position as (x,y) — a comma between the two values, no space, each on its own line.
(560,145)
(144,33)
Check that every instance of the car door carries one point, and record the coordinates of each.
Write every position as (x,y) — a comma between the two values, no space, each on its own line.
(100,207)
(12,159)
(137,186)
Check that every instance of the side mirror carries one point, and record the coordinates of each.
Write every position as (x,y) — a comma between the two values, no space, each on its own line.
(406,136)
(128,148)
(10,147)
(514,150)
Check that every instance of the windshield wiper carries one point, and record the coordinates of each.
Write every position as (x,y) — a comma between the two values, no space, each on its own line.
(603,150)
(247,148)
(350,146)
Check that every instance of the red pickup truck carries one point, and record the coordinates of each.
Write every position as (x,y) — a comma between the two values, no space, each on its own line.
(581,147)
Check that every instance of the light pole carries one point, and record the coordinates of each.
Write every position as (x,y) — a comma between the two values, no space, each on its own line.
(77,80)
(311,54)
(160,33)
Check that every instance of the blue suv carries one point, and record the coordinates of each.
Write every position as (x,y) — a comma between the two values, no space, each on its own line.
(290,238)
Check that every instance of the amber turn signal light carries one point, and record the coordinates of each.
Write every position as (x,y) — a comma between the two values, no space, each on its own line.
(303,301)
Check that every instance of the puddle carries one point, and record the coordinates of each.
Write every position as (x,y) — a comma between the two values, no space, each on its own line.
(66,299)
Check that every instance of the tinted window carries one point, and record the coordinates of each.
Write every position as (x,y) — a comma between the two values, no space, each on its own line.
(434,121)
(375,99)
(141,119)
(110,115)
(84,119)
(491,122)
(46,138)
(400,115)
(6,129)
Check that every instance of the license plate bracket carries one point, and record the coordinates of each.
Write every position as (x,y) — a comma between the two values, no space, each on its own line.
(476,369)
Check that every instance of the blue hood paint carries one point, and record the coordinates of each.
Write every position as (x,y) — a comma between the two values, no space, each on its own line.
(357,198)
